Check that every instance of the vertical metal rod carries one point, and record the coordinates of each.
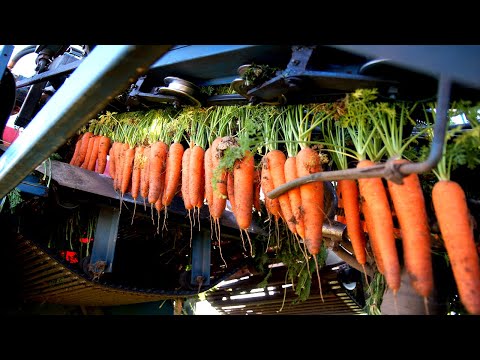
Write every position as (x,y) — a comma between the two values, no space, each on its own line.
(439,131)
(104,73)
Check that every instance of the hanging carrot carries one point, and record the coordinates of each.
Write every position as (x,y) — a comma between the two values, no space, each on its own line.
(84,147)
(78,145)
(256,190)
(308,162)
(127,169)
(136,171)
(208,176)
(185,179)
(219,183)
(158,156)
(111,163)
(380,225)
(231,190)
(243,171)
(409,204)
(453,217)
(144,175)
(272,205)
(88,154)
(407,198)
(103,149)
(276,162)
(92,161)
(196,179)
(173,172)
(457,232)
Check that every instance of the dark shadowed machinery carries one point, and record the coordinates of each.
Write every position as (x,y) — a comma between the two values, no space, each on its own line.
(129,256)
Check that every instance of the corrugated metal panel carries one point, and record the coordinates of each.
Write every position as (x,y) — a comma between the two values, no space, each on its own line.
(244,297)
(47,280)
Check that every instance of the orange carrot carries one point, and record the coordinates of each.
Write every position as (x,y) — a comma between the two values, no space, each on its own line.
(111,163)
(308,162)
(185,178)
(349,196)
(78,145)
(243,172)
(290,169)
(256,190)
(276,160)
(380,225)
(196,178)
(83,148)
(368,220)
(208,176)
(219,183)
(117,152)
(85,162)
(127,169)
(136,172)
(231,190)
(272,205)
(453,218)
(409,205)
(103,149)
(121,149)
(173,172)
(144,179)
(94,155)
(156,174)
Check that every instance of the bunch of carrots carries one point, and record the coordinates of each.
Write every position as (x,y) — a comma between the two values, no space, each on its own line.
(231,157)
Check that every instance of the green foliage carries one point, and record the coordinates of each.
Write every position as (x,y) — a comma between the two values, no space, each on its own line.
(466,149)
(375,293)
(14,199)
(256,75)
(300,267)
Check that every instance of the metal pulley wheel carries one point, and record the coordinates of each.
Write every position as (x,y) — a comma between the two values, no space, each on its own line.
(182,89)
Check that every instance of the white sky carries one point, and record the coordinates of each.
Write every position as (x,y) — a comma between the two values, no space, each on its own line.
(26,65)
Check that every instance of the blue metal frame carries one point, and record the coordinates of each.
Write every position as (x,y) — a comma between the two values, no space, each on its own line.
(31,185)
(106,72)
(5,54)
(460,63)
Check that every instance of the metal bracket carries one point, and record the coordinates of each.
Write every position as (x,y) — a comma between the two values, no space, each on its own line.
(281,83)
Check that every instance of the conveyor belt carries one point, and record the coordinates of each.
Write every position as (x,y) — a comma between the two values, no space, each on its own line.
(45,279)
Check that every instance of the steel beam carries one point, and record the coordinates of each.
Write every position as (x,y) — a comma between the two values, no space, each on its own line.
(47,75)
(458,62)
(201,246)
(105,73)
(105,237)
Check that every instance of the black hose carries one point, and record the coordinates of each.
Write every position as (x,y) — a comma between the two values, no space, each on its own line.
(25,51)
